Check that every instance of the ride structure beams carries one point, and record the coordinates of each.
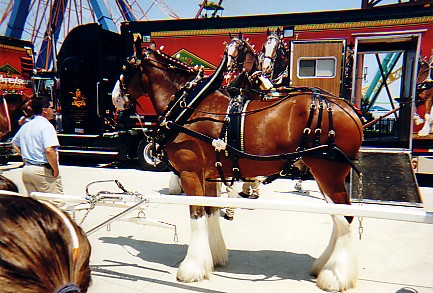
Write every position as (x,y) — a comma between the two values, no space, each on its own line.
(18,18)
(103,16)
(45,56)
(126,10)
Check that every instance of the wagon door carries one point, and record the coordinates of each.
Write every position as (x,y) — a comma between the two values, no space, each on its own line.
(384,84)
(317,64)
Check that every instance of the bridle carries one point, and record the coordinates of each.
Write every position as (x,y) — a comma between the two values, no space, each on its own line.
(240,47)
(278,48)
(134,64)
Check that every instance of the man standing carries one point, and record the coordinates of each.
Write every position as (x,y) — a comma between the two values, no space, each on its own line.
(37,143)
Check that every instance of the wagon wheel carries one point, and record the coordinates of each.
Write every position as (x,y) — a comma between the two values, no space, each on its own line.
(146,159)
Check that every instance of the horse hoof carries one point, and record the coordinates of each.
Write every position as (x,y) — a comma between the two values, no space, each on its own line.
(188,272)
(228,217)
(329,281)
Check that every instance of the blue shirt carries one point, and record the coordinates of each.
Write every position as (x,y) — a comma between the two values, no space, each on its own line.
(34,137)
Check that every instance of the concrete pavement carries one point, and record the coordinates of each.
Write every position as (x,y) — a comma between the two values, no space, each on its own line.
(269,251)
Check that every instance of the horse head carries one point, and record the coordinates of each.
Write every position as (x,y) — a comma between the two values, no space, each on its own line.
(242,64)
(274,57)
(120,97)
(148,75)
(236,53)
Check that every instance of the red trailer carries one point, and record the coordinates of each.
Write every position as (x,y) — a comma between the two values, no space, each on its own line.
(16,68)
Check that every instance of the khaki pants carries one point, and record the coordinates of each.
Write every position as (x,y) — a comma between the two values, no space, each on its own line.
(41,179)
(254,186)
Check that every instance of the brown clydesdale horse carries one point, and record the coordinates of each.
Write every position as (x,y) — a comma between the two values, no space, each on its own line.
(271,128)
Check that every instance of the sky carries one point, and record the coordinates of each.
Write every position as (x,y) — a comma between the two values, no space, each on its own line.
(189,8)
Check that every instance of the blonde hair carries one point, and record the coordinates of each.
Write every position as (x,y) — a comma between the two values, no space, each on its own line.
(41,248)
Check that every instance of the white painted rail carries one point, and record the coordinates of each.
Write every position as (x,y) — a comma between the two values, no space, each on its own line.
(407,214)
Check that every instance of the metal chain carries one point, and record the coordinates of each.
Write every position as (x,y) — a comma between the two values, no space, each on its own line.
(92,205)
(360,219)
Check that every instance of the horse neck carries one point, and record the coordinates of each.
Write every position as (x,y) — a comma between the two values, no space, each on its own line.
(163,85)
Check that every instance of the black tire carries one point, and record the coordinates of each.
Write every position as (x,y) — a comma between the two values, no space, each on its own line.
(145,158)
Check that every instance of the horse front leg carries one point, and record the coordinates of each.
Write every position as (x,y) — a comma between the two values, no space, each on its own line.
(198,262)
(216,239)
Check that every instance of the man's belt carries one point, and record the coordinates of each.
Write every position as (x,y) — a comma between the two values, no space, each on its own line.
(46,165)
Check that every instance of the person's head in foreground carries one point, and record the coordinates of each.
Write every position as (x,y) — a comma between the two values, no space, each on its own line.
(42,250)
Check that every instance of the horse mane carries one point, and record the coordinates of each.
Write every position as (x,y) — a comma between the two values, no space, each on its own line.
(173,63)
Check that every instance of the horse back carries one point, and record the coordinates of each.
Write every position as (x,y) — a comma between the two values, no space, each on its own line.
(281,126)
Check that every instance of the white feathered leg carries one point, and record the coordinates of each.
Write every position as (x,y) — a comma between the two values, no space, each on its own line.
(337,268)
(425,130)
(322,259)
(216,241)
(174,185)
(198,264)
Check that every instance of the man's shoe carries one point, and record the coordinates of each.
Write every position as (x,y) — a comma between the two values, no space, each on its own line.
(253,196)
(229,214)
(244,195)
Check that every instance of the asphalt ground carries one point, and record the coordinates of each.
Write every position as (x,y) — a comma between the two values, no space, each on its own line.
(269,251)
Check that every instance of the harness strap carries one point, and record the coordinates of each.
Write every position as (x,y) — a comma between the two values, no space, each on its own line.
(307,129)
(331,131)
(318,130)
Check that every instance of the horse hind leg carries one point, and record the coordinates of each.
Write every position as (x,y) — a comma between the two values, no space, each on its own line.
(198,262)
(336,269)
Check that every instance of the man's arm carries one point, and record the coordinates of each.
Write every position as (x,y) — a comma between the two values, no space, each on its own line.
(52,160)
(17,149)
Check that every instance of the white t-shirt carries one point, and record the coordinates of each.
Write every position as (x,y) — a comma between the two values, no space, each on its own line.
(34,137)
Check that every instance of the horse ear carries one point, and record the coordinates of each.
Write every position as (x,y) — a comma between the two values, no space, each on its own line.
(152,46)
(138,42)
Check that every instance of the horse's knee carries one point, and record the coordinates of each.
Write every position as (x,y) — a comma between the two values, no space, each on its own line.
(197,212)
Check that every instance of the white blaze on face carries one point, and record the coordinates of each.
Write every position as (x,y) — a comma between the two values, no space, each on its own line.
(118,100)
(231,51)
(269,52)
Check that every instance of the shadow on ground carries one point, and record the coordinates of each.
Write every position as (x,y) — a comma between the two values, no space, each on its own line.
(266,265)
